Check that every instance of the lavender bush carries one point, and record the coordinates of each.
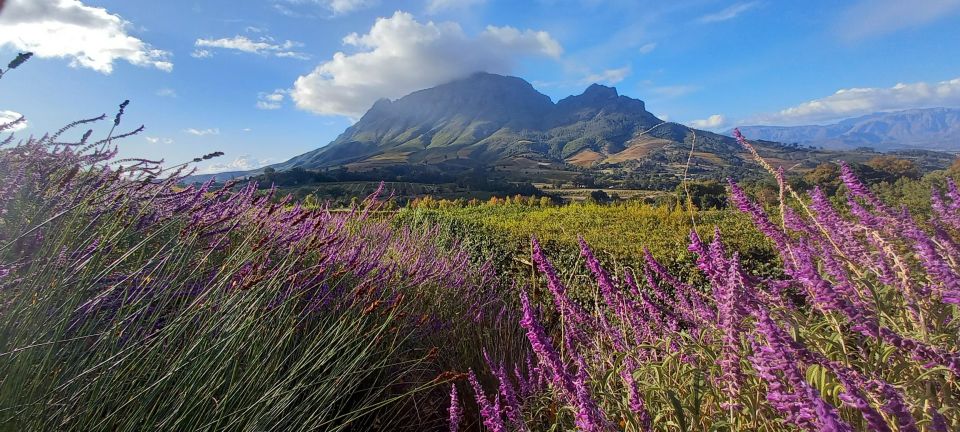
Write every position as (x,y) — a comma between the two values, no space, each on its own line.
(859,334)
(129,302)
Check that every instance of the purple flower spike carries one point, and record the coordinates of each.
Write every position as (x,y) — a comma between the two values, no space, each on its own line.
(938,423)
(544,349)
(744,204)
(559,292)
(455,413)
(894,406)
(490,412)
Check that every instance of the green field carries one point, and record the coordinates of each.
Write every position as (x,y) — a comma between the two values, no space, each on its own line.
(620,233)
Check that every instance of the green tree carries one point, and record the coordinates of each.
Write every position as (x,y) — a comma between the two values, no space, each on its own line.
(599,197)
(891,168)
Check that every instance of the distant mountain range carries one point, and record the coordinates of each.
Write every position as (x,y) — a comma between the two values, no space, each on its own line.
(488,125)
(928,129)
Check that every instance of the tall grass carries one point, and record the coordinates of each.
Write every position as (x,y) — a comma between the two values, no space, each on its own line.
(131,303)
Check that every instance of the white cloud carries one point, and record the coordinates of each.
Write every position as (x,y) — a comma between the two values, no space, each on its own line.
(715,121)
(202,132)
(647,48)
(7,117)
(609,76)
(158,140)
(729,13)
(860,101)
(246,129)
(344,6)
(869,18)
(265,46)
(437,6)
(167,92)
(89,37)
(242,163)
(400,55)
(201,54)
(271,101)
(337,7)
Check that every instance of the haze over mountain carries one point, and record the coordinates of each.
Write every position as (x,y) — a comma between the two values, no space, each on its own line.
(929,129)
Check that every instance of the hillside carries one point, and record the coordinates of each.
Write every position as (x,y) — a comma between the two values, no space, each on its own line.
(494,126)
(927,129)
(489,121)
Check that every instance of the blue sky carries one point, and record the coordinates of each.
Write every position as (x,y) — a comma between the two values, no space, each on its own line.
(266,80)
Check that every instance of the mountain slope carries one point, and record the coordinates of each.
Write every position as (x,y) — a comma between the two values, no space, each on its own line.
(493,127)
(489,120)
(929,129)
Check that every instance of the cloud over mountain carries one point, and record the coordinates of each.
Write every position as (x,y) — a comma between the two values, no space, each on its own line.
(241,163)
(853,102)
(608,76)
(715,121)
(399,55)
(89,37)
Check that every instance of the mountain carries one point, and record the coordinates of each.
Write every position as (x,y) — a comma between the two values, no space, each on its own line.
(928,129)
(484,119)
(489,121)
(494,127)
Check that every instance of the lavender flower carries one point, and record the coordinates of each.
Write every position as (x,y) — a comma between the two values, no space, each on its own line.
(490,412)
(564,304)
(512,409)
(778,363)
(589,417)
(894,405)
(730,305)
(852,396)
(859,190)
(634,397)
(937,422)
(544,349)
(610,293)
(948,280)
(739,197)
(456,414)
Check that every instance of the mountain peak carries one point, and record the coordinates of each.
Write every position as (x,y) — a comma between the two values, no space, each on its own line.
(601,91)
(381,103)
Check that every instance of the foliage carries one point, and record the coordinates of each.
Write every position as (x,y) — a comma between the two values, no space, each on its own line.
(470,180)
(130,302)
(621,231)
(127,302)
(859,333)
